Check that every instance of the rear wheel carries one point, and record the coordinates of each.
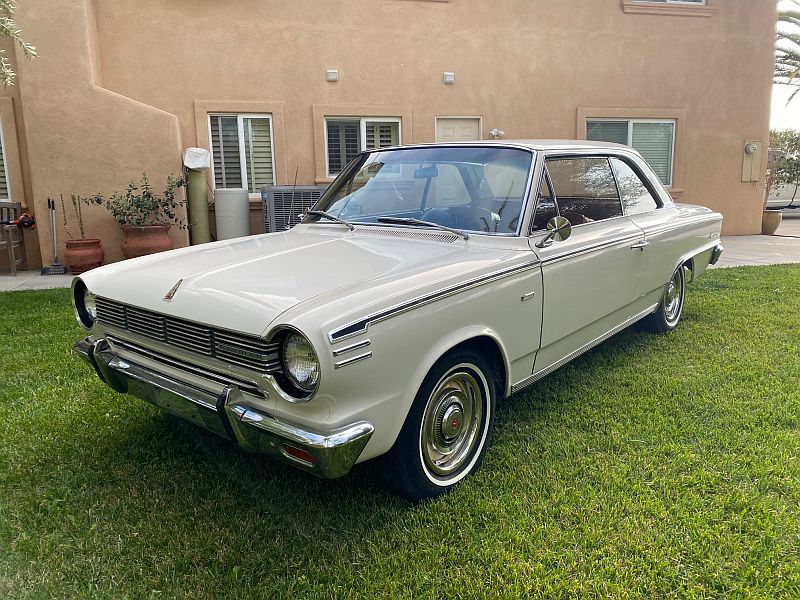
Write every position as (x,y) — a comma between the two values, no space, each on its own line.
(669,311)
(447,430)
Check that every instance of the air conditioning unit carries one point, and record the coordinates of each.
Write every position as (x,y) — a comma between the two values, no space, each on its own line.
(284,205)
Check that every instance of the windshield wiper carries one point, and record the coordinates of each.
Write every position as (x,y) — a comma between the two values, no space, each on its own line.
(322,213)
(410,221)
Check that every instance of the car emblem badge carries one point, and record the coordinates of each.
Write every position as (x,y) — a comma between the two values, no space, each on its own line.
(174,289)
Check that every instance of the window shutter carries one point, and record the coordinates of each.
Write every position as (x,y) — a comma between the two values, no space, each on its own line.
(225,151)
(607,131)
(654,143)
(343,144)
(3,179)
(257,152)
(382,135)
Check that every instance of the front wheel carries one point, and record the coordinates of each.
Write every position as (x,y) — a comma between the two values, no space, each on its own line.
(670,309)
(447,430)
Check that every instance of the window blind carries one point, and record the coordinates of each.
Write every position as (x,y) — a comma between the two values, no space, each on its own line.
(607,131)
(654,143)
(3,180)
(257,152)
(225,150)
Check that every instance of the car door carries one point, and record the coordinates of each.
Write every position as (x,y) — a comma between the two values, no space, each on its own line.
(642,202)
(589,279)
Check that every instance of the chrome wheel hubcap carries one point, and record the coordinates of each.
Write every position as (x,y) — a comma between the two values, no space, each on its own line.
(451,423)
(673,298)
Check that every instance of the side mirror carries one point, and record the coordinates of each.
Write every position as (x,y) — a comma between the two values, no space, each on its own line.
(558,229)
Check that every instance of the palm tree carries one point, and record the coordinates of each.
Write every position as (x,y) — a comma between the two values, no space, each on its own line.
(9,29)
(787,46)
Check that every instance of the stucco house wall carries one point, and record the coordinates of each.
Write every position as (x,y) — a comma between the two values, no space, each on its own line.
(123,87)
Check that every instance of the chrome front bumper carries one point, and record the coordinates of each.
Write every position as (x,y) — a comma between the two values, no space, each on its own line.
(718,250)
(329,454)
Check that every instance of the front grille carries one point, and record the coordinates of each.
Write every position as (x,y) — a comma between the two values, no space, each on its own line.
(244,350)
(222,379)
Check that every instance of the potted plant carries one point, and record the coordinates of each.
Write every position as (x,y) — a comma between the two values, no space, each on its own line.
(84,253)
(145,216)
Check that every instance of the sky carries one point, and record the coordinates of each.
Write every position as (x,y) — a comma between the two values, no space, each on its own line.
(782,116)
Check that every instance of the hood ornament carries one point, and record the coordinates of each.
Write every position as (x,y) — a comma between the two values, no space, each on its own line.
(174,289)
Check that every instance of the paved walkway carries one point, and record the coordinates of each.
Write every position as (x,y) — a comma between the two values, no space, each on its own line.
(783,247)
(32,280)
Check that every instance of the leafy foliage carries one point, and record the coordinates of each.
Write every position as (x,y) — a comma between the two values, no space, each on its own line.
(9,29)
(783,163)
(140,206)
(787,47)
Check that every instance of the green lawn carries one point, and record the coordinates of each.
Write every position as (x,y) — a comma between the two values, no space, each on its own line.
(652,466)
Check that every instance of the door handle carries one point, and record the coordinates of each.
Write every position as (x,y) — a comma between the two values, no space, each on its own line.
(640,245)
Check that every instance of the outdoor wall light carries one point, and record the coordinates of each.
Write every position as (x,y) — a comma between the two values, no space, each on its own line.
(332,75)
(448,77)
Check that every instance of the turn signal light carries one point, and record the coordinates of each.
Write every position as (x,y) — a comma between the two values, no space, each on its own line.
(299,453)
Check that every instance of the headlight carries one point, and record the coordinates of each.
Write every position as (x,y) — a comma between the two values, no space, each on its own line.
(300,362)
(85,304)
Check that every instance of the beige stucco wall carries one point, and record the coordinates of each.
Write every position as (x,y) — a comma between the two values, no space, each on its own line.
(82,138)
(121,86)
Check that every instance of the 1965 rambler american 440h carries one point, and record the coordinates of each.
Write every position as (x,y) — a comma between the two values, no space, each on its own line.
(427,282)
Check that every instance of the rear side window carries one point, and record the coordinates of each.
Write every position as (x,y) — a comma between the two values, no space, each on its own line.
(585,189)
(636,198)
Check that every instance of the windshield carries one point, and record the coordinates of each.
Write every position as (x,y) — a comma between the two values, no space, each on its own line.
(478,189)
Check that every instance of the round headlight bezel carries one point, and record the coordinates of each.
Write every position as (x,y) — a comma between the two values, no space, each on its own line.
(83,301)
(298,386)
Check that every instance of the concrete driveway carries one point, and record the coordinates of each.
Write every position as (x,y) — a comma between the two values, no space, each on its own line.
(783,247)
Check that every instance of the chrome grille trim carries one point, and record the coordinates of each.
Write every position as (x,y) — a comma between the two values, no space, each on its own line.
(243,384)
(243,350)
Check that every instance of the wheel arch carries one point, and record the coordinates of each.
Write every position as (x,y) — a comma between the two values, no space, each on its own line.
(482,339)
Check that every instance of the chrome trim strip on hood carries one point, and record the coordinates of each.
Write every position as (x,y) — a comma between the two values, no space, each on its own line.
(360,326)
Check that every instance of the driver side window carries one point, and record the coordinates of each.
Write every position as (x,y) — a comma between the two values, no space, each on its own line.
(584,188)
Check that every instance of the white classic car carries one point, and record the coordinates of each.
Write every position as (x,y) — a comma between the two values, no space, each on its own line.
(427,282)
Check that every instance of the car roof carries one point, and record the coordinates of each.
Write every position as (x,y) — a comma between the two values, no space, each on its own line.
(532,144)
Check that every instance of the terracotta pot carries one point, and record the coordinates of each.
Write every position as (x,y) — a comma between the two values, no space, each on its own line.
(770,221)
(140,241)
(82,255)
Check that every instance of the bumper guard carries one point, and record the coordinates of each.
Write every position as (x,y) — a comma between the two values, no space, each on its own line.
(329,454)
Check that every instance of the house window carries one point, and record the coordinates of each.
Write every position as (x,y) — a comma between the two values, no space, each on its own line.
(654,139)
(241,150)
(675,1)
(4,193)
(344,138)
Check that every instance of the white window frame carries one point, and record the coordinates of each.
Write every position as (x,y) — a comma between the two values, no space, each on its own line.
(240,117)
(629,143)
(689,2)
(5,164)
(362,132)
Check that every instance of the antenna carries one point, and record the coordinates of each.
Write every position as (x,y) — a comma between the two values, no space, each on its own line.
(291,200)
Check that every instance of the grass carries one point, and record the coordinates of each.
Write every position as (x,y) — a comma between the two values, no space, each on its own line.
(657,466)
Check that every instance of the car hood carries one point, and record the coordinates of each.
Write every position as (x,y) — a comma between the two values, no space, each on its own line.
(245,284)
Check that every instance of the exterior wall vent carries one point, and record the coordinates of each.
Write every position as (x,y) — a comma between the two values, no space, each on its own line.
(283,205)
